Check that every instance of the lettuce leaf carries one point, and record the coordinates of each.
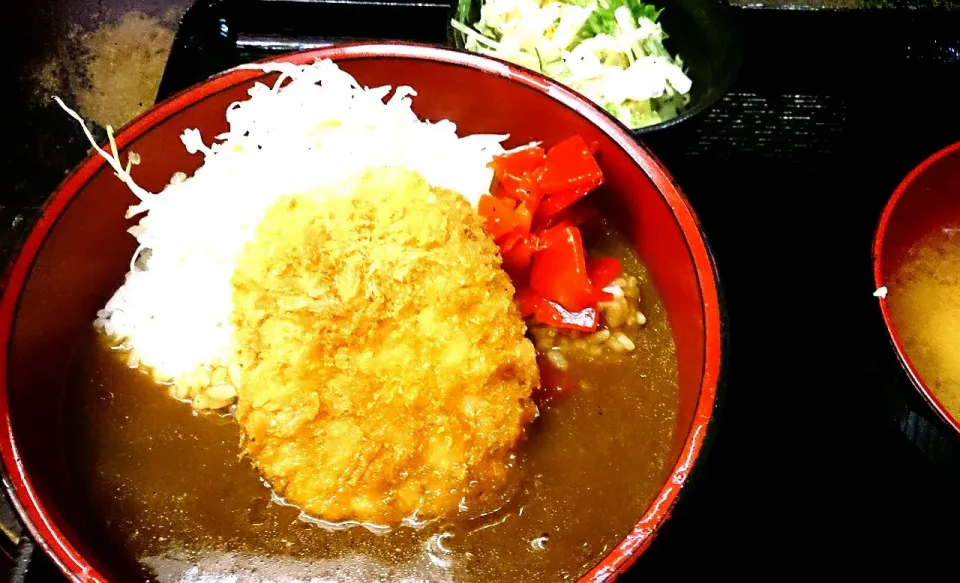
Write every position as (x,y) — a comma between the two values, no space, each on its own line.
(603,21)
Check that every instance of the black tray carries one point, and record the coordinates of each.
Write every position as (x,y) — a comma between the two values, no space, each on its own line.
(823,456)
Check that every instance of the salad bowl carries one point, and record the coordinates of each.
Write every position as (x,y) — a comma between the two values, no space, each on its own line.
(687,52)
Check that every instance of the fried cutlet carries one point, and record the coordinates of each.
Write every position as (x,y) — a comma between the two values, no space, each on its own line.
(384,368)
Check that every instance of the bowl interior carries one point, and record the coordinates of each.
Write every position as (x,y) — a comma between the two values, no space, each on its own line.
(928,199)
(705,33)
(82,251)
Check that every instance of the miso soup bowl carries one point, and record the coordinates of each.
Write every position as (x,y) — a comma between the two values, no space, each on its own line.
(927,199)
(78,252)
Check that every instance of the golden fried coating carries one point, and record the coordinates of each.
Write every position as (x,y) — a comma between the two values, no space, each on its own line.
(384,364)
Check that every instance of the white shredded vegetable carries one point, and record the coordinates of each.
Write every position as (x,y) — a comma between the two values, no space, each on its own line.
(320,127)
(611,51)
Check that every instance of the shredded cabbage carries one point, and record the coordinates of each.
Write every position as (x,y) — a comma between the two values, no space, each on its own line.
(314,126)
(611,51)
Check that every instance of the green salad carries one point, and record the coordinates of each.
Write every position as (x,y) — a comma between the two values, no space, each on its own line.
(611,51)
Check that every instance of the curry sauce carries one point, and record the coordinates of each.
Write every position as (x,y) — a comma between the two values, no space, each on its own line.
(168,487)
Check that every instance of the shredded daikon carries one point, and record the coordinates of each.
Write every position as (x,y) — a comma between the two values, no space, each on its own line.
(314,126)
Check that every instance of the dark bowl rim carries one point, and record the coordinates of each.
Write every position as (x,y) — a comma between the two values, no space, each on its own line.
(734,60)
(32,510)
(879,244)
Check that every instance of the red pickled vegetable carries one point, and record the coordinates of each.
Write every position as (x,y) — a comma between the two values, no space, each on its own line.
(518,162)
(522,189)
(527,301)
(535,215)
(554,204)
(499,214)
(569,173)
(517,251)
(554,315)
(578,215)
(510,240)
(559,270)
(569,166)
(603,270)
(523,217)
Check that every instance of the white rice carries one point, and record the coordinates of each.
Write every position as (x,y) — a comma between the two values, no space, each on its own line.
(173,311)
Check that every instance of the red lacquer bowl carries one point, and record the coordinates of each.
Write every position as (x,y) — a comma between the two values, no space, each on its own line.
(927,199)
(78,252)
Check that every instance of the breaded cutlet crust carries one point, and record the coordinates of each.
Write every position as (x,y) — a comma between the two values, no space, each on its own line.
(384,365)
